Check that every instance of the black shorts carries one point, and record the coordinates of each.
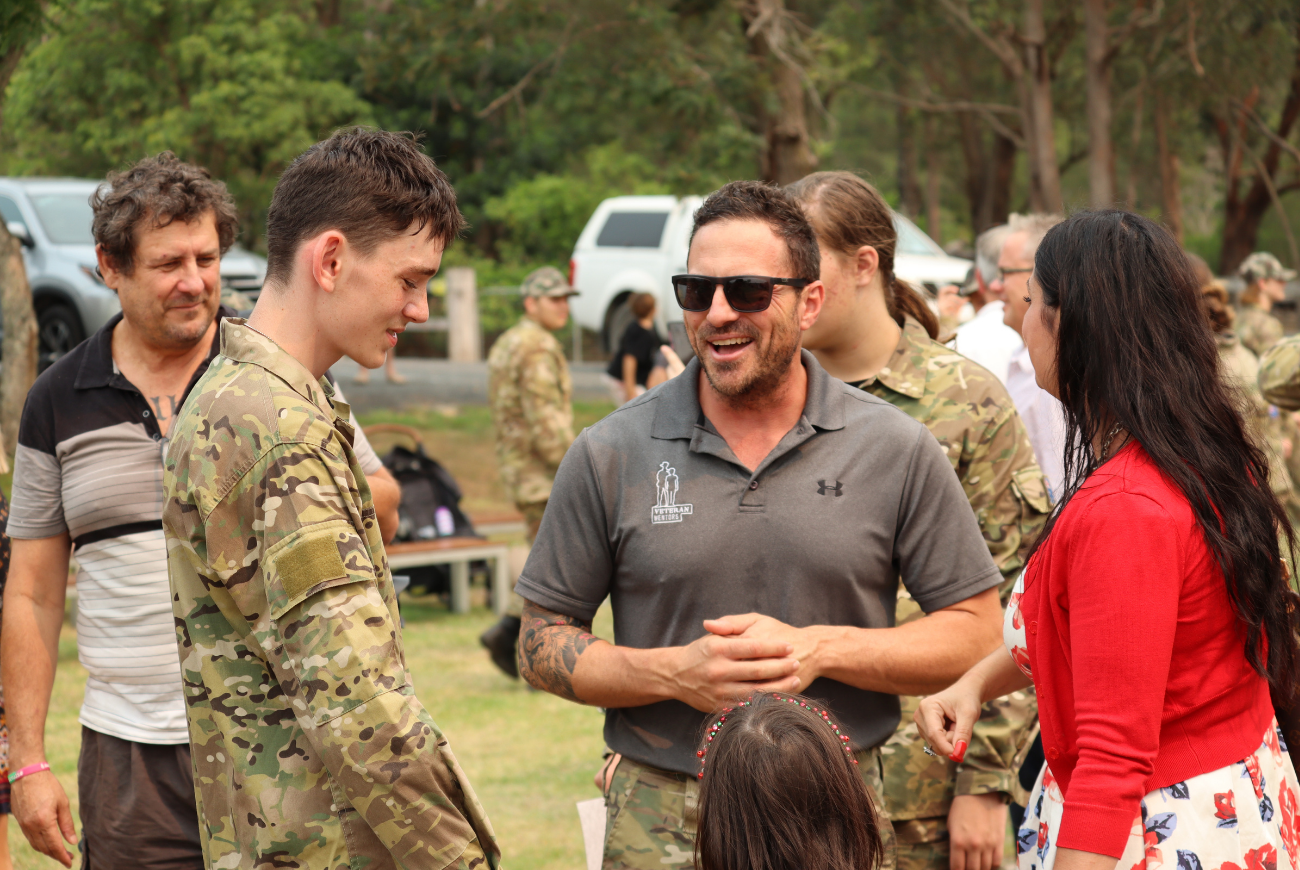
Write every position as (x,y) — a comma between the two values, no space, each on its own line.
(137,805)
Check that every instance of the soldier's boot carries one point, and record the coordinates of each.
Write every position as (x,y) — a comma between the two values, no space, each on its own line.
(501,641)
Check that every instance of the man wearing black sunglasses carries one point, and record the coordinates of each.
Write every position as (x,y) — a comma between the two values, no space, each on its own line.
(750,521)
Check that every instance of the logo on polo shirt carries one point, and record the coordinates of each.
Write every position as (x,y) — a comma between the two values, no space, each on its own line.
(666,509)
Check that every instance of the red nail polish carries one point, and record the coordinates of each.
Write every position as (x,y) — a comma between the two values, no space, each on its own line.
(959,751)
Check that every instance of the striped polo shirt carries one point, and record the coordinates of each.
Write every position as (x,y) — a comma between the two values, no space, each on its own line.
(89,463)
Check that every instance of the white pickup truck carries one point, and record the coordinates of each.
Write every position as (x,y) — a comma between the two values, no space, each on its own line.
(635,244)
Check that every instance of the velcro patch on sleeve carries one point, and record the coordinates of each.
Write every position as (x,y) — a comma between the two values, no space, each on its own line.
(309,562)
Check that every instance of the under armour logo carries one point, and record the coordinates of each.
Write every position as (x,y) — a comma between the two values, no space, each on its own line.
(837,489)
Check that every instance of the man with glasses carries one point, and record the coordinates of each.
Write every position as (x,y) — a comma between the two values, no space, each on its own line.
(1041,412)
(746,538)
(985,338)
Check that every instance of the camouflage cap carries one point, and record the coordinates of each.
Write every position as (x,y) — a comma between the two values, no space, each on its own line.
(1263,265)
(546,281)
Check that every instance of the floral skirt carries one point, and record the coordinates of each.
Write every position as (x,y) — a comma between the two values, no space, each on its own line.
(1244,816)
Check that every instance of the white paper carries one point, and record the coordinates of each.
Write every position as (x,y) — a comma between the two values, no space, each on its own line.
(592,816)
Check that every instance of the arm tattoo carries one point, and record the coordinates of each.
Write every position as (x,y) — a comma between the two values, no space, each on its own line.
(549,646)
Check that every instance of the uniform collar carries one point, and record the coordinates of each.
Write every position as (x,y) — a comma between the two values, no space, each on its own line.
(909,364)
(98,369)
(241,343)
(678,414)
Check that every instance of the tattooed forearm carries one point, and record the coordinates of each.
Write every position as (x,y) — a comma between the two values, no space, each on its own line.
(549,646)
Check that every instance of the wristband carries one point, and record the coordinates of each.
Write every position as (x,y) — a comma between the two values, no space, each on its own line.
(28,771)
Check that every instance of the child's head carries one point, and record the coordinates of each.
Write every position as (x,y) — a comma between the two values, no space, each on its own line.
(780,790)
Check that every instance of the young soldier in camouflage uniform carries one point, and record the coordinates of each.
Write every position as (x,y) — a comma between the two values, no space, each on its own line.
(531,395)
(943,810)
(1265,284)
(310,748)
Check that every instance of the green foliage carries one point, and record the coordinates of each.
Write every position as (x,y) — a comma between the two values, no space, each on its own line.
(219,82)
(542,216)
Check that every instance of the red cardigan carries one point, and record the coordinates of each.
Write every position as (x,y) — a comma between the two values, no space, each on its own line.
(1138,659)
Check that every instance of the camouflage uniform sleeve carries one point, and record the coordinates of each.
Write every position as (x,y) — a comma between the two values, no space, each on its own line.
(546,409)
(1279,374)
(1007,492)
(331,639)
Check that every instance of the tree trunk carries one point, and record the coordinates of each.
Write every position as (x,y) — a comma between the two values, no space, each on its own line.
(19,348)
(1002,171)
(932,188)
(974,156)
(910,199)
(788,156)
(1045,193)
(1242,215)
(1135,142)
(1101,160)
(1171,191)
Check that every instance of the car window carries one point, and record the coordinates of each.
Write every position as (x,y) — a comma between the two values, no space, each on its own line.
(912,241)
(9,211)
(633,229)
(66,217)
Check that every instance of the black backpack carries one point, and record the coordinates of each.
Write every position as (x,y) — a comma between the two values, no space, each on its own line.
(430,506)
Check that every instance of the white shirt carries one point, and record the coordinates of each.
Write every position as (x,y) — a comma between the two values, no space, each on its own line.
(988,341)
(1043,416)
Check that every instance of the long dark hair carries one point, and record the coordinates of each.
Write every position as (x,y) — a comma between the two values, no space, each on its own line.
(779,792)
(847,213)
(1134,349)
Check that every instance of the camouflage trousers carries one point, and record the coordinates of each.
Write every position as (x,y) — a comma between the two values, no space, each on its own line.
(532,512)
(651,816)
(922,844)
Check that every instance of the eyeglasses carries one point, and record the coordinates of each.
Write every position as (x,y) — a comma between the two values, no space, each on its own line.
(746,294)
(1003,273)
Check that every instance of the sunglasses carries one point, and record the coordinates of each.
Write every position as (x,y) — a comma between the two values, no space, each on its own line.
(746,294)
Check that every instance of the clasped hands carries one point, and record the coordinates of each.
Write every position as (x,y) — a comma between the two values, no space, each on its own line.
(744,654)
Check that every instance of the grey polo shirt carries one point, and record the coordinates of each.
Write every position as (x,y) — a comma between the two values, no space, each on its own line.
(651,508)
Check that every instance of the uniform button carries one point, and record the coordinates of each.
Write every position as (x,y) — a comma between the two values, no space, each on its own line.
(1054,753)
(1033,627)
(753,484)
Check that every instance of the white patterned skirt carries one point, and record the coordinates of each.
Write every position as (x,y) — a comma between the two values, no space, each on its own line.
(1244,816)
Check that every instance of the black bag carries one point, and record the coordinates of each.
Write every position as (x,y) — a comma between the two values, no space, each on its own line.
(430,507)
(429,510)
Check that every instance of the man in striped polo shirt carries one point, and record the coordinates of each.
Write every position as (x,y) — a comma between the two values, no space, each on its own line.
(89,475)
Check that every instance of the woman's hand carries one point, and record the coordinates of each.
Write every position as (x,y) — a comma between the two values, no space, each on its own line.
(946,719)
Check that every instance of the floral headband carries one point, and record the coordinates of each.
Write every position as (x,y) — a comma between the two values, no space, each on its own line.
(717,726)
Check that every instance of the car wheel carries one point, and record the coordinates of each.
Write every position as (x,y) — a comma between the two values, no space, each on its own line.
(59,331)
(617,318)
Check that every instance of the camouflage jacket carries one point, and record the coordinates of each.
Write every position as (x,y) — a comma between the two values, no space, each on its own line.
(1257,329)
(310,748)
(968,411)
(531,396)
(1266,424)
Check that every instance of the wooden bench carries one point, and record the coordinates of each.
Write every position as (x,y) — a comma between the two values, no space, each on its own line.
(458,553)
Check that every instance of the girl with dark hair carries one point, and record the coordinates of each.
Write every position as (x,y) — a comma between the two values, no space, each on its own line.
(779,790)
(638,363)
(1154,616)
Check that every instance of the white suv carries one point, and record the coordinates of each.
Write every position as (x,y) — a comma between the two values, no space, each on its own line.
(634,244)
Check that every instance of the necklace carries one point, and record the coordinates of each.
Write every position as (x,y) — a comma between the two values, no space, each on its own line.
(1110,437)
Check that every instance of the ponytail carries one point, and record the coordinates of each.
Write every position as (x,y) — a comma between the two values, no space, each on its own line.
(905,302)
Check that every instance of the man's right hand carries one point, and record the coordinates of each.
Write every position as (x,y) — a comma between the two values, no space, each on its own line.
(713,671)
(41,808)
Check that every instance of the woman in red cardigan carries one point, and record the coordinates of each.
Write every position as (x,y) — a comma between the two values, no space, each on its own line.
(1153,614)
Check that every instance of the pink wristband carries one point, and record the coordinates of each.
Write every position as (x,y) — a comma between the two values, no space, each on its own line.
(28,771)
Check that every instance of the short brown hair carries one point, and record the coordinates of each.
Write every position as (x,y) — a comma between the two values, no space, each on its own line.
(779,791)
(642,305)
(756,201)
(368,184)
(161,189)
(848,213)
